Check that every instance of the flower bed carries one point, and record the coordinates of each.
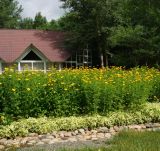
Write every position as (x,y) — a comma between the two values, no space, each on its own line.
(77,92)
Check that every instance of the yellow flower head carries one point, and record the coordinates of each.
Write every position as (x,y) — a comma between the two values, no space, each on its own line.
(13,90)
(28,89)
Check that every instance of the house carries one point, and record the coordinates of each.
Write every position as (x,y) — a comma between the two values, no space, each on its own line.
(38,50)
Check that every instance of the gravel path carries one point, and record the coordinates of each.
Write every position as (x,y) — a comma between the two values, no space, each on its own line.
(68,145)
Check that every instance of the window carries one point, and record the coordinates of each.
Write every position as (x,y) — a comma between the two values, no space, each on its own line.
(31,56)
(32,61)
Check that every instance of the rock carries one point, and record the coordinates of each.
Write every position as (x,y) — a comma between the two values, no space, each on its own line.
(61,135)
(23,141)
(2,147)
(136,127)
(102,130)
(143,126)
(94,139)
(150,125)
(100,135)
(40,143)
(51,142)
(111,130)
(93,131)
(86,129)
(33,134)
(88,133)
(56,140)
(76,132)
(54,134)
(108,135)
(82,131)
(116,128)
(72,139)
(49,137)
(88,137)
(46,141)
(125,128)
(41,136)
(9,143)
(64,138)
(3,141)
(156,125)
(68,134)
(32,142)
(80,137)
(18,139)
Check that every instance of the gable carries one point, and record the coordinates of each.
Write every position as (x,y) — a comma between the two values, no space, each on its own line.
(13,43)
(31,56)
(32,53)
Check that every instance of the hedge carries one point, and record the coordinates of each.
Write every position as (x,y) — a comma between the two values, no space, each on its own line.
(43,125)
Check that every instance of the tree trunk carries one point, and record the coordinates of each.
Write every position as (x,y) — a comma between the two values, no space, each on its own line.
(102,60)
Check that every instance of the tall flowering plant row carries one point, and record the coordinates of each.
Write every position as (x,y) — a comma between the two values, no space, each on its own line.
(77,91)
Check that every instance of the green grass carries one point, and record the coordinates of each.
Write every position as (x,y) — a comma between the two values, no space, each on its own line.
(126,141)
(136,141)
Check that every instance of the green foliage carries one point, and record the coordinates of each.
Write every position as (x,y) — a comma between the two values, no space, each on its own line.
(10,13)
(125,32)
(150,113)
(26,23)
(76,92)
(91,27)
(40,22)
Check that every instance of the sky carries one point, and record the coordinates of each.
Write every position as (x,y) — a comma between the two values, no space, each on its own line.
(49,8)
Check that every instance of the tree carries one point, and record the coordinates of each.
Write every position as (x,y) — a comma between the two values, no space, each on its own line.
(128,30)
(138,39)
(10,13)
(52,25)
(40,22)
(26,23)
(90,22)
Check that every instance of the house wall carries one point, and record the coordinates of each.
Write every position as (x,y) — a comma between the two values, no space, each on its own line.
(8,65)
(48,66)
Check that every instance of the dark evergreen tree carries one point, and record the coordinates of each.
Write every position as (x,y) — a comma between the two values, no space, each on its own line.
(9,13)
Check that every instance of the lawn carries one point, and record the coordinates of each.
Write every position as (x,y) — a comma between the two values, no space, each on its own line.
(124,141)
(136,141)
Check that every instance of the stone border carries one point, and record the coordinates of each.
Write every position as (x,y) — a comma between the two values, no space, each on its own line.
(34,139)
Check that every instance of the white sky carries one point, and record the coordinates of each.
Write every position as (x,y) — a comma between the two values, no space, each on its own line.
(49,8)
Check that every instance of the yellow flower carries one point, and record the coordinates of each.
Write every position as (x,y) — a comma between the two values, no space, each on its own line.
(28,89)
(13,90)
(6,69)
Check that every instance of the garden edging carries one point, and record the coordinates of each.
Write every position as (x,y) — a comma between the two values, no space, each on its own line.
(73,136)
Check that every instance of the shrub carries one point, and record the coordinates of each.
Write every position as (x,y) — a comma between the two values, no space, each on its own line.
(150,113)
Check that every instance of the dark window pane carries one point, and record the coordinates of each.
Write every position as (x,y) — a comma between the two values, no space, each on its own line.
(31,56)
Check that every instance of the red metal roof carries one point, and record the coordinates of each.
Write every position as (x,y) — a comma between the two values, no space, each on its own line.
(13,44)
